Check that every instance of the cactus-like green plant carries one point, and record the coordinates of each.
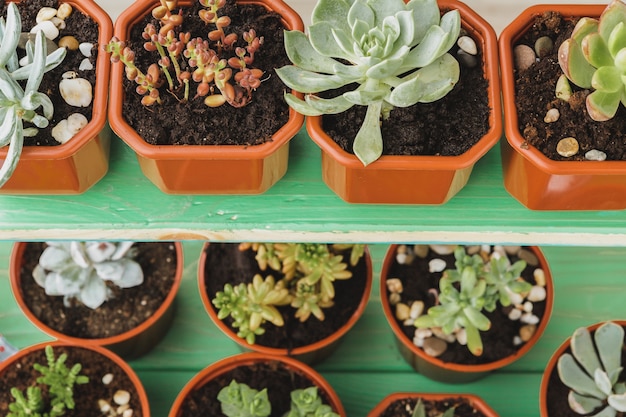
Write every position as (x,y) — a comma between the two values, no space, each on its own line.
(395,54)
(420,411)
(470,289)
(594,57)
(19,104)
(59,381)
(81,270)
(309,270)
(592,371)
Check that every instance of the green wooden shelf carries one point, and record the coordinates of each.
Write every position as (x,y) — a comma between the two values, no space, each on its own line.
(299,207)
(589,287)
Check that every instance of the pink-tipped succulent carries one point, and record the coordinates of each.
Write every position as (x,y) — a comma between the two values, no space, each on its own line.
(594,57)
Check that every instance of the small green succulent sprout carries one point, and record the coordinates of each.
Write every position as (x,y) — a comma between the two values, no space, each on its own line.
(592,370)
(594,57)
(468,290)
(307,403)
(420,411)
(81,270)
(59,381)
(396,54)
(18,104)
(239,400)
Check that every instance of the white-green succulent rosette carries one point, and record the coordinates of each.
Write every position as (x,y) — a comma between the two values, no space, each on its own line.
(396,54)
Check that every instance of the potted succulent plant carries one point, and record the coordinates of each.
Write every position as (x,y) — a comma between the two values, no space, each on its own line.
(261,385)
(53,139)
(285,298)
(410,404)
(209,71)
(560,152)
(60,379)
(584,375)
(459,312)
(117,295)
(388,67)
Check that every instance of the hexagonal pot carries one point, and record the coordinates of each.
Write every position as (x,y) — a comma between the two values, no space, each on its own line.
(550,375)
(130,344)
(118,368)
(536,181)
(210,169)
(73,167)
(224,366)
(310,354)
(436,179)
(477,403)
(451,372)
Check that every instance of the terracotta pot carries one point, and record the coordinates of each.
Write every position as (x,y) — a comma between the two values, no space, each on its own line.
(233,169)
(476,402)
(73,167)
(310,354)
(131,344)
(437,369)
(439,178)
(112,357)
(551,368)
(534,180)
(247,359)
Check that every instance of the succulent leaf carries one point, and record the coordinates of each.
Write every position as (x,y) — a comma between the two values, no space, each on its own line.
(425,14)
(574,64)
(596,51)
(613,14)
(582,404)
(585,26)
(11,35)
(368,143)
(577,379)
(618,402)
(602,106)
(609,339)
(617,39)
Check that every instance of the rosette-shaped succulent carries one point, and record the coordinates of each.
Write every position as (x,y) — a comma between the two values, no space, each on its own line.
(395,54)
(595,57)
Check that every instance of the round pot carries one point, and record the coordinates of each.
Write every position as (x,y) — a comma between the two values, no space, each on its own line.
(232,169)
(477,403)
(116,362)
(437,369)
(310,354)
(226,365)
(439,178)
(550,369)
(536,181)
(73,167)
(131,344)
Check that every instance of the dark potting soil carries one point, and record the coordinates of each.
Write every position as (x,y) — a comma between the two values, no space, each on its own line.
(497,342)
(225,263)
(557,393)
(535,95)
(404,408)
(129,308)
(449,126)
(84,29)
(275,376)
(94,365)
(193,123)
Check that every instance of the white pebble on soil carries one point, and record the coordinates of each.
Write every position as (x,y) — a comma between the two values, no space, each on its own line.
(436,265)
(467,44)
(595,155)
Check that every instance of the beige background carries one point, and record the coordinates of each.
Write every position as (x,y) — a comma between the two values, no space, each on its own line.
(497,12)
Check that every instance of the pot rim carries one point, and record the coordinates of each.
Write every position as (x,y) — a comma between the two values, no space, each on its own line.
(130,17)
(507,40)
(301,350)
(244,359)
(14,277)
(463,368)
(475,401)
(479,28)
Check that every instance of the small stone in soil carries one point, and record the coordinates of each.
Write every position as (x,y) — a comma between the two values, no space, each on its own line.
(552,116)
(567,147)
(434,346)
(543,46)
(436,265)
(524,57)
(467,44)
(595,155)
(537,293)
(526,332)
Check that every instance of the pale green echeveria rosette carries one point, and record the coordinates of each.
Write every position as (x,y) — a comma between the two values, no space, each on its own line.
(396,53)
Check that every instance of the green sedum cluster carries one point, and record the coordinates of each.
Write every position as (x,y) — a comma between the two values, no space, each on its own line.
(420,411)
(394,53)
(594,57)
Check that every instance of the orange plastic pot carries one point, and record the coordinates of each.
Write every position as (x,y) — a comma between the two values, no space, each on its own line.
(551,368)
(250,358)
(131,344)
(73,167)
(310,354)
(232,169)
(475,402)
(436,178)
(536,181)
(436,369)
(112,357)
